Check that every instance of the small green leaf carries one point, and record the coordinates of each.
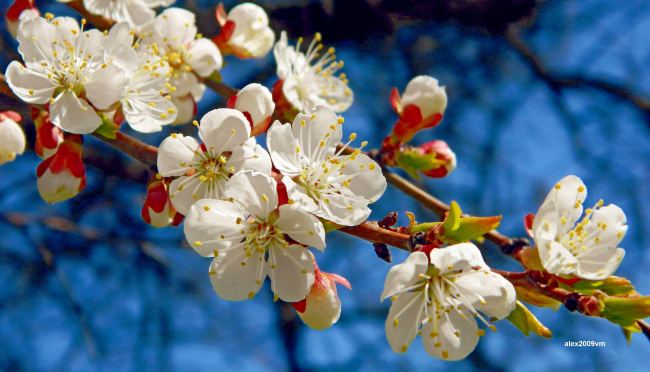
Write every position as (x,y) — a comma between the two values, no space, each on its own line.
(536,299)
(628,330)
(452,220)
(107,128)
(624,311)
(612,286)
(526,322)
(330,226)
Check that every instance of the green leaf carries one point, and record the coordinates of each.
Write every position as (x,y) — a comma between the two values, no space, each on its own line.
(330,226)
(625,311)
(107,128)
(452,220)
(526,322)
(628,330)
(613,285)
(537,299)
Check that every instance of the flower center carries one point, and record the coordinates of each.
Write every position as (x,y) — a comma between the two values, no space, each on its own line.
(263,234)
(578,240)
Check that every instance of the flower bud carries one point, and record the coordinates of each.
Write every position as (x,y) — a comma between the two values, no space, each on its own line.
(12,137)
(62,175)
(186,109)
(433,159)
(256,103)
(283,107)
(158,210)
(321,307)
(17,11)
(48,136)
(245,31)
(421,106)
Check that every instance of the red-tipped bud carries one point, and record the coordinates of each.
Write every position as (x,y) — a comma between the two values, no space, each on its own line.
(48,136)
(158,210)
(321,307)
(20,8)
(256,103)
(62,175)
(245,31)
(421,106)
(433,159)
(12,137)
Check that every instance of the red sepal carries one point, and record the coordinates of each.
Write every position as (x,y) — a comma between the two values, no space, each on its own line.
(300,306)
(13,13)
(231,102)
(528,224)
(396,101)
(220,14)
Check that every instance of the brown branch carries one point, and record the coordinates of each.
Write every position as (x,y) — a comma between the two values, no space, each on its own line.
(220,88)
(557,81)
(96,20)
(371,232)
(136,149)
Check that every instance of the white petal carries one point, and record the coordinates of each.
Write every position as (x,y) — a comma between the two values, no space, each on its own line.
(145,118)
(12,140)
(315,130)
(298,195)
(450,346)
(321,311)
(254,191)
(457,257)
(600,264)
(207,226)
(58,187)
(74,115)
(401,330)
(301,226)
(185,191)
(204,57)
(405,274)
(106,86)
(555,258)
(568,201)
(291,272)
(284,149)
(224,129)
(30,85)
(236,277)
(343,209)
(498,293)
(176,25)
(173,152)
(250,158)
(366,182)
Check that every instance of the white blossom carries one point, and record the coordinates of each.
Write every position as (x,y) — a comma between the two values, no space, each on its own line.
(12,137)
(256,103)
(441,296)
(245,31)
(586,249)
(146,105)
(246,237)
(136,13)
(204,169)
(305,85)
(317,177)
(65,66)
(173,36)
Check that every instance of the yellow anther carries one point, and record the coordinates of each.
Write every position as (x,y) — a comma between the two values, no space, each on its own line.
(312,117)
(558,186)
(180,188)
(480,332)
(49,16)
(302,123)
(353,136)
(291,202)
(195,122)
(318,36)
(395,322)
(322,143)
(265,198)
(171,110)
(212,272)
(158,176)
(197,243)
(297,149)
(233,131)
(372,166)
(581,189)
(445,354)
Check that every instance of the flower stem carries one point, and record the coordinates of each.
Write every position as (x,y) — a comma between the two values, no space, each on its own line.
(98,21)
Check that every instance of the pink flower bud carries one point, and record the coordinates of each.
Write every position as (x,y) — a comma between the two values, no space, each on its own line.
(443,153)
(186,109)
(62,175)
(321,307)
(15,13)
(12,137)
(421,106)
(158,210)
(48,136)
(256,103)
(245,31)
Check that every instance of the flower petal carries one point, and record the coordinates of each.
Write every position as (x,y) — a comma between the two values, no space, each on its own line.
(498,293)
(224,129)
(249,158)
(404,319)
(301,226)
(208,221)
(74,115)
(284,149)
(236,276)
(457,257)
(254,191)
(405,274)
(315,130)
(106,86)
(454,338)
(291,272)
(204,57)
(30,85)
(175,153)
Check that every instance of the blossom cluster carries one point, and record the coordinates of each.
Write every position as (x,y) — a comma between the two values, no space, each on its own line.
(255,208)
